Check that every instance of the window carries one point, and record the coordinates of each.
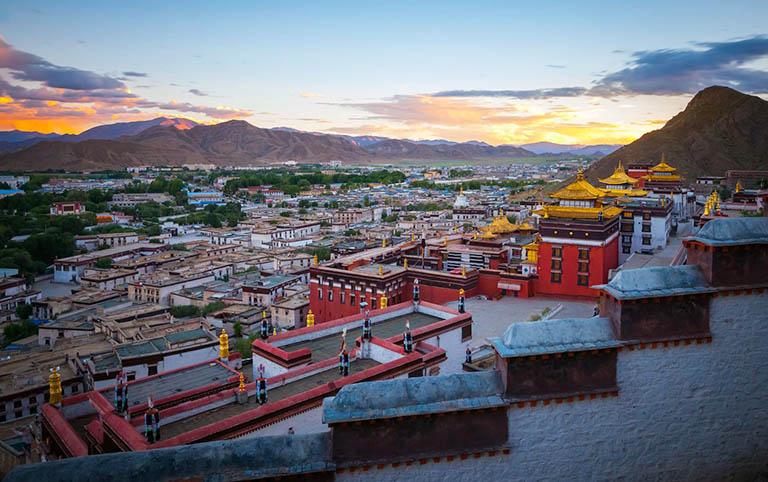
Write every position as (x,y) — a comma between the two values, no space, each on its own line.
(583,267)
(33,409)
(2,418)
(33,400)
(555,277)
(583,280)
(646,216)
(646,228)
(17,404)
(557,251)
(626,239)
(583,254)
(556,264)
(319,294)
(646,240)
(626,250)
(18,413)
(352,299)
(330,294)
(341,298)
(373,302)
(131,376)
(627,227)
(466,332)
(75,388)
(628,214)
(151,370)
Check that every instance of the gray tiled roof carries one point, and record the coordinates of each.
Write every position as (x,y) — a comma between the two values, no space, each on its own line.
(414,396)
(555,336)
(735,231)
(241,459)
(657,281)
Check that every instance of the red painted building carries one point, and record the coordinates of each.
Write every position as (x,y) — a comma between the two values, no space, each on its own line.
(579,241)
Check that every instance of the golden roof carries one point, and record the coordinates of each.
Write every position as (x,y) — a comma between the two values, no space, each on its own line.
(578,190)
(663,166)
(618,177)
(624,192)
(534,245)
(500,225)
(578,212)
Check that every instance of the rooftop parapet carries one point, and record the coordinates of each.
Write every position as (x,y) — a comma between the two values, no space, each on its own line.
(557,358)
(731,252)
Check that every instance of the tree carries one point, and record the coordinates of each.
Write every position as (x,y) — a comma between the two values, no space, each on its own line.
(175,186)
(17,331)
(185,311)
(104,263)
(243,345)
(179,247)
(214,306)
(24,311)
(286,214)
(212,220)
(238,327)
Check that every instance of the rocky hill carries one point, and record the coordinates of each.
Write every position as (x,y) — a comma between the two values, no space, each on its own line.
(720,129)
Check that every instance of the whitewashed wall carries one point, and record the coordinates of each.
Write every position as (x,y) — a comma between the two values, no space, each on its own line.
(695,412)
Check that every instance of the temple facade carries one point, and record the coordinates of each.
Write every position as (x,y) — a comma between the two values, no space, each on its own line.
(579,241)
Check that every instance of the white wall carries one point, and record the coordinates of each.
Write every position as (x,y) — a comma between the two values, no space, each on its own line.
(454,350)
(695,412)
(310,421)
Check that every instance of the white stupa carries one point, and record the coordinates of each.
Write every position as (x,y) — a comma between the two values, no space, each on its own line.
(461,199)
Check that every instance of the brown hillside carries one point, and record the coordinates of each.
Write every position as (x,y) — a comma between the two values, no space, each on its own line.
(720,129)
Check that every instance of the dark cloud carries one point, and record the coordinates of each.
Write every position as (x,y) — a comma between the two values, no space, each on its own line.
(131,73)
(663,72)
(197,92)
(686,71)
(26,66)
(555,66)
(518,94)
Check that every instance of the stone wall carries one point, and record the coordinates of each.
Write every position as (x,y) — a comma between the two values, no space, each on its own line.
(687,412)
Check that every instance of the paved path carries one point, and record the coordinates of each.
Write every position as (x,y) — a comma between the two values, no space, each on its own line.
(492,318)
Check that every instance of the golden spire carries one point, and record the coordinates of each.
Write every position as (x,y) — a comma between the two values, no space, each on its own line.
(384,243)
(580,175)
(381,270)
(463,271)
(445,241)
(474,236)
(223,344)
(241,388)
(314,260)
(461,190)
(413,237)
(263,314)
(383,301)
(739,187)
(310,318)
(405,263)
(274,330)
(54,382)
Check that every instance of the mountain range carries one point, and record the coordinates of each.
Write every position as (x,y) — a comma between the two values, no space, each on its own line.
(720,129)
(181,141)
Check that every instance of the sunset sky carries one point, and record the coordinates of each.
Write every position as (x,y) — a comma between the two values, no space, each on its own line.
(501,72)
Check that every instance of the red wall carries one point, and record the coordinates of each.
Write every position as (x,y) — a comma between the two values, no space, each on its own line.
(601,260)
(325,310)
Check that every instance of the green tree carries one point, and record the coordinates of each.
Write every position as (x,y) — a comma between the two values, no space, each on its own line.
(17,331)
(179,247)
(104,263)
(238,327)
(243,345)
(185,311)
(214,306)
(24,311)
(212,220)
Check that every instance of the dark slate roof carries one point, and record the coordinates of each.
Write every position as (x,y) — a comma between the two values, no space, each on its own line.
(734,231)
(555,336)
(227,460)
(414,396)
(657,281)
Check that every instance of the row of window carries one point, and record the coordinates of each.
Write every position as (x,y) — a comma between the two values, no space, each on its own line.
(627,240)
(581,279)
(373,302)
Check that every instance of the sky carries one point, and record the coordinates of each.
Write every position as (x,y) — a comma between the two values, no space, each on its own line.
(503,72)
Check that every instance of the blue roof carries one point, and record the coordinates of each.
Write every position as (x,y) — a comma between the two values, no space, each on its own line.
(241,459)
(555,336)
(657,281)
(735,231)
(10,191)
(414,396)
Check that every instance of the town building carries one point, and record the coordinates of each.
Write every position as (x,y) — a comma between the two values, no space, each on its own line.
(130,200)
(67,207)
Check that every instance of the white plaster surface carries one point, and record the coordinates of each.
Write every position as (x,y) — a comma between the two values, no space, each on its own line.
(695,412)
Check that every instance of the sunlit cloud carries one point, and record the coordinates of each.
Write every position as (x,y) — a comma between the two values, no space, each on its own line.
(311,95)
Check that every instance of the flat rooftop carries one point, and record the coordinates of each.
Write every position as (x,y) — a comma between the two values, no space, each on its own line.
(328,346)
(275,394)
(170,383)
